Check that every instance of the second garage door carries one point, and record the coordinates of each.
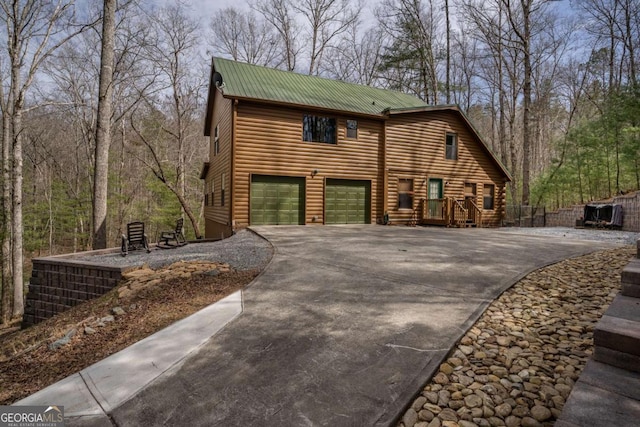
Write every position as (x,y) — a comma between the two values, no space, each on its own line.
(347,201)
(277,200)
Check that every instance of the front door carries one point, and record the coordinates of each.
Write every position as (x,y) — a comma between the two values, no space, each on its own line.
(434,196)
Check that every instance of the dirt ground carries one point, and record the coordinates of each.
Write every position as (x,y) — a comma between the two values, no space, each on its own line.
(28,364)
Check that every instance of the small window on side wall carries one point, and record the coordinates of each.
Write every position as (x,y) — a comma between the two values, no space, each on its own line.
(319,129)
(213,192)
(222,191)
(216,140)
(451,146)
(488,197)
(405,193)
(352,129)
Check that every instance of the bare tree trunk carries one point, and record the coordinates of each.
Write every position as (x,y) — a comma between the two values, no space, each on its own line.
(7,283)
(447,86)
(17,231)
(526,92)
(103,128)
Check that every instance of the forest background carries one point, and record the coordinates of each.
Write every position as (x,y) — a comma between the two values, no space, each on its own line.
(103,102)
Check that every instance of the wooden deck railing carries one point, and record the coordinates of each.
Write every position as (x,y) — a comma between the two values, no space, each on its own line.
(435,209)
(460,214)
(450,212)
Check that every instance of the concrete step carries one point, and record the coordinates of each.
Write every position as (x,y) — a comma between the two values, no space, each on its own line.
(631,279)
(617,334)
(604,396)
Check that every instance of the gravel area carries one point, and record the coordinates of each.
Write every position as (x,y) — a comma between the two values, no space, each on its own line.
(243,251)
(613,236)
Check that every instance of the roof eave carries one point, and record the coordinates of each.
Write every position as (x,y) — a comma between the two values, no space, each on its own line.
(379,116)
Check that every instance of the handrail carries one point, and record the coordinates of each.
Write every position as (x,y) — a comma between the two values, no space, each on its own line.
(460,213)
(476,212)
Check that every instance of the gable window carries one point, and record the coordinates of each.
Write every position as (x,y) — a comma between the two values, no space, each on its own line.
(405,193)
(352,129)
(319,129)
(451,146)
(488,197)
(216,140)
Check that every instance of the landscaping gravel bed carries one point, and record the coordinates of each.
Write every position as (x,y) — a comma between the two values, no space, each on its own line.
(517,365)
(243,251)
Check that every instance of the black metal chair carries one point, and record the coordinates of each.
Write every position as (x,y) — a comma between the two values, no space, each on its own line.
(174,238)
(136,239)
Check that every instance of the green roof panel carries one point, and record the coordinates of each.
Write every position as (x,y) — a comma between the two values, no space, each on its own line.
(255,82)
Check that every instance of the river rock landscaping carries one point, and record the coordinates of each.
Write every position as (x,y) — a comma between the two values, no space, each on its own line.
(517,365)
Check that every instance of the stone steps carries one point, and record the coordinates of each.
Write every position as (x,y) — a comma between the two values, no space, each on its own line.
(617,334)
(608,391)
(605,396)
(631,279)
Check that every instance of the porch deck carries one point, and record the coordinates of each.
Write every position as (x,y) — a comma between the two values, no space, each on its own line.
(450,212)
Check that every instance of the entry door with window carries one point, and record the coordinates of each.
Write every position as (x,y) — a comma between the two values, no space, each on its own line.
(434,196)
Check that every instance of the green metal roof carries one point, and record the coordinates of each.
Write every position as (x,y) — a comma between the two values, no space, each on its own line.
(247,81)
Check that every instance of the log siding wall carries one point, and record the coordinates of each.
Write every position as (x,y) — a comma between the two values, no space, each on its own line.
(217,217)
(261,139)
(269,142)
(416,149)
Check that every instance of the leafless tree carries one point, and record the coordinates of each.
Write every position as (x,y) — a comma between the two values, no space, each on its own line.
(174,53)
(356,58)
(326,21)
(245,37)
(281,15)
(34,30)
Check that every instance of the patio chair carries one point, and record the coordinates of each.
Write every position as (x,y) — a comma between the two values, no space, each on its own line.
(136,239)
(174,238)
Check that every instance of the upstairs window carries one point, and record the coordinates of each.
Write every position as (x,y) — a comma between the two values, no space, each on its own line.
(405,193)
(319,129)
(451,146)
(352,129)
(488,197)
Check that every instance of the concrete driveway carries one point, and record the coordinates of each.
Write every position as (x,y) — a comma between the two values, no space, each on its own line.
(343,327)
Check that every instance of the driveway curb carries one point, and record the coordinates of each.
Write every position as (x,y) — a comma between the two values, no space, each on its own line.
(96,390)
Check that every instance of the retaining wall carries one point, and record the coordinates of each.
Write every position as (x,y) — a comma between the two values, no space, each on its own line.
(567,217)
(58,284)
